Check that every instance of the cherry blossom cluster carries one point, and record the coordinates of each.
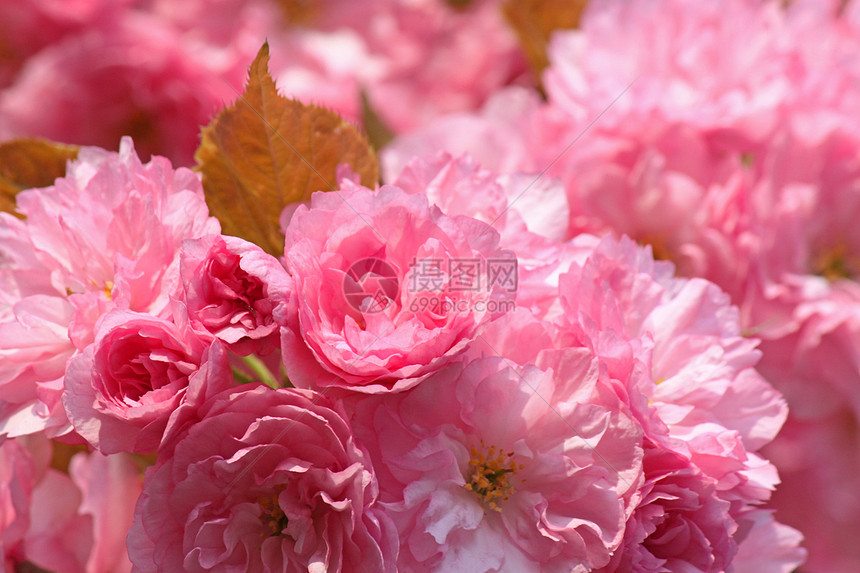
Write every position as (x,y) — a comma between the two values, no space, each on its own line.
(157,69)
(725,136)
(602,316)
(299,414)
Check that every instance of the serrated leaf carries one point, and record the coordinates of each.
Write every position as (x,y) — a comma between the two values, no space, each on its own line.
(267,151)
(28,163)
(534,21)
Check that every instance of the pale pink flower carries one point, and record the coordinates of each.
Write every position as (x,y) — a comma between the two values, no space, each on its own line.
(17,478)
(140,373)
(768,546)
(505,468)
(232,287)
(109,486)
(105,236)
(324,68)
(804,302)
(686,355)
(79,521)
(825,95)
(380,301)
(680,523)
(808,196)
(817,450)
(819,463)
(676,350)
(433,58)
(267,480)
(59,537)
(138,77)
(498,136)
(511,204)
(696,73)
(57,522)
(28,28)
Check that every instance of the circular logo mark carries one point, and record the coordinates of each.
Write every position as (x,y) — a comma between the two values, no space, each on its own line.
(370,285)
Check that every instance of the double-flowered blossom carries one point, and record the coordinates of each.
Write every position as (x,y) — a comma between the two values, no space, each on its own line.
(561,334)
(106,236)
(497,467)
(232,288)
(135,76)
(804,302)
(139,374)
(387,288)
(72,521)
(264,480)
(728,146)
(675,349)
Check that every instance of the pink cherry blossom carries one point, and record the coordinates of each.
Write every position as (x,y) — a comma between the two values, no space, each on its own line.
(80,521)
(511,204)
(141,372)
(697,73)
(431,58)
(109,486)
(498,135)
(769,546)
(807,198)
(59,522)
(136,77)
(499,468)
(59,537)
(675,350)
(105,236)
(680,523)
(378,303)
(26,29)
(803,302)
(267,480)
(817,449)
(17,478)
(231,290)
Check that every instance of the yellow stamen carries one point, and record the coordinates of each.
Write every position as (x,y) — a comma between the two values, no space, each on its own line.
(836,263)
(659,249)
(492,475)
(273,518)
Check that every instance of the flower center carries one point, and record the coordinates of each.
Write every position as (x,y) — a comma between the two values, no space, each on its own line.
(273,518)
(659,249)
(836,263)
(492,472)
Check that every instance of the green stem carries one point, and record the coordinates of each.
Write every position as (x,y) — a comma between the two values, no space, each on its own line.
(259,369)
(241,377)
